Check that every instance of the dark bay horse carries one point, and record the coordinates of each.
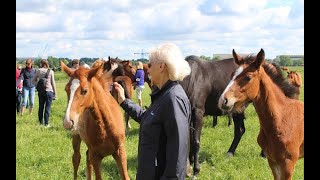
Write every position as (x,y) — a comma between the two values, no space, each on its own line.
(204,86)
(281,118)
(95,117)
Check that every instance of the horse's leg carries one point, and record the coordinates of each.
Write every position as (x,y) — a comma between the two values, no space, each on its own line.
(191,139)
(121,158)
(239,130)
(215,121)
(229,119)
(287,167)
(95,160)
(275,168)
(76,141)
(198,127)
(89,166)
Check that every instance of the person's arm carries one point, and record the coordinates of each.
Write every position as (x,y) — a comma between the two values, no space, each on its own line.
(176,127)
(134,110)
(53,83)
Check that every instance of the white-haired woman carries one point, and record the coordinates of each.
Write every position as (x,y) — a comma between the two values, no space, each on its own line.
(164,126)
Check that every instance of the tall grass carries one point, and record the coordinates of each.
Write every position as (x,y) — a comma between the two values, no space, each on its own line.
(47,153)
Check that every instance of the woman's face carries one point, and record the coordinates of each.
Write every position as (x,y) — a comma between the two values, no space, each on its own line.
(154,71)
(28,63)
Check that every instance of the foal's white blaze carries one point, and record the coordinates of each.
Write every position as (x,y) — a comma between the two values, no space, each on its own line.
(74,86)
(221,99)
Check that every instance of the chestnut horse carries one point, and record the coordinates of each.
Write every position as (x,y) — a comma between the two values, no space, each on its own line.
(117,76)
(95,117)
(295,79)
(281,118)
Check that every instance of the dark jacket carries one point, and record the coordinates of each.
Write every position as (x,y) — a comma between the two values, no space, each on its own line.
(27,76)
(164,133)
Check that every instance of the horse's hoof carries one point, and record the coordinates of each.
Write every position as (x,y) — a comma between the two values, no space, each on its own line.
(229,154)
(193,177)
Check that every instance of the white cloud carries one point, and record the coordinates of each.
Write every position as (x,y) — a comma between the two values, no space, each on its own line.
(98,28)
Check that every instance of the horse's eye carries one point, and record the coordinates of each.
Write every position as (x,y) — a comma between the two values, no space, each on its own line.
(247,78)
(84,92)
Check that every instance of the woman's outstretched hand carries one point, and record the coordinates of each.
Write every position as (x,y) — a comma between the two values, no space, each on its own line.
(120,92)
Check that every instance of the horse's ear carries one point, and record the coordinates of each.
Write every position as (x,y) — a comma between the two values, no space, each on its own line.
(94,71)
(109,58)
(260,58)
(236,57)
(66,69)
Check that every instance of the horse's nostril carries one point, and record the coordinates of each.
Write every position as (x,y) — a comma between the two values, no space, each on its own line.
(72,123)
(225,101)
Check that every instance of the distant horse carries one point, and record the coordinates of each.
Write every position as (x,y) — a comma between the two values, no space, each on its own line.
(285,68)
(95,117)
(295,79)
(281,118)
(204,86)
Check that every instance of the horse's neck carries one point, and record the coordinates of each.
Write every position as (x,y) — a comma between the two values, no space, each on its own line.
(269,101)
(100,108)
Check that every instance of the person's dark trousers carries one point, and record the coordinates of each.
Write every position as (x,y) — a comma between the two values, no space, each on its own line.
(45,101)
(18,100)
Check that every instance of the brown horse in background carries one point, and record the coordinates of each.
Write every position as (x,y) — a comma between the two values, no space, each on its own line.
(281,118)
(95,117)
(295,79)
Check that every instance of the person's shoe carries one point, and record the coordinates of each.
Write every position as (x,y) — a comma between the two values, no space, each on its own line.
(47,126)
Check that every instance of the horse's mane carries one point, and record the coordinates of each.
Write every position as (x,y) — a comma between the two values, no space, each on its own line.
(275,73)
(277,77)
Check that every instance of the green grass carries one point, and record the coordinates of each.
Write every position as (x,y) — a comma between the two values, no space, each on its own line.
(47,153)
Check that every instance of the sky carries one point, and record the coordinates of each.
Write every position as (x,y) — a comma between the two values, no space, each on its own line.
(125,28)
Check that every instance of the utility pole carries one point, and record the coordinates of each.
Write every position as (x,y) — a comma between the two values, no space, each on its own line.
(142,54)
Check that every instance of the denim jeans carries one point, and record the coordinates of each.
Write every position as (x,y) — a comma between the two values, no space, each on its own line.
(28,93)
(45,101)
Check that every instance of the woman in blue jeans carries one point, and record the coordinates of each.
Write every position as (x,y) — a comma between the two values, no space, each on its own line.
(28,88)
(45,98)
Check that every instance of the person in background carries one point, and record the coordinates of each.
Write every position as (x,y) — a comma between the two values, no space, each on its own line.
(28,88)
(45,98)
(18,89)
(164,126)
(139,81)
(75,64)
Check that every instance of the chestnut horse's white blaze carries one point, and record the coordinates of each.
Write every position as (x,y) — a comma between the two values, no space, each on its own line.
(231,100)
(67,123)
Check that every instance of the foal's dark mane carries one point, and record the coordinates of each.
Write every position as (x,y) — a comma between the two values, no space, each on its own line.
(276,76)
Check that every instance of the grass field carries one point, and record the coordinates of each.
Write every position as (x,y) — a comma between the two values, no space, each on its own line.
(47,153)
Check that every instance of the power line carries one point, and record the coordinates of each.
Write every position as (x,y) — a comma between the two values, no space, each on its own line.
(141,53)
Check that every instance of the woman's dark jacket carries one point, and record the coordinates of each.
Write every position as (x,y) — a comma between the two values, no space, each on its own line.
(164,133)
(27,75)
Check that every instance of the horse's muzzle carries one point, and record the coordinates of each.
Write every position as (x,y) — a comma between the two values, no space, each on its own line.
(68,124)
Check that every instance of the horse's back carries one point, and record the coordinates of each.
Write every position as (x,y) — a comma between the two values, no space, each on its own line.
(207,81)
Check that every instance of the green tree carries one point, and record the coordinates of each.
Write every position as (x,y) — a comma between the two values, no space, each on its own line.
(285,61)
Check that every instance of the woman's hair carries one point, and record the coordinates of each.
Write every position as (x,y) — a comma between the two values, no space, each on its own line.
(44,63)
(139,65)
(171,55)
